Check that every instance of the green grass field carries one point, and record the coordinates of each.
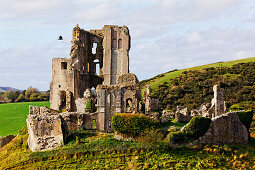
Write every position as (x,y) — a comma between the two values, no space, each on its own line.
(13,116)
(155,82)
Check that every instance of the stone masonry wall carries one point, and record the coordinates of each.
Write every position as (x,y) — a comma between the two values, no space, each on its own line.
(225,129)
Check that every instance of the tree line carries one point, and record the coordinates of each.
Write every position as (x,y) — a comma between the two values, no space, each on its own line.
(30,94)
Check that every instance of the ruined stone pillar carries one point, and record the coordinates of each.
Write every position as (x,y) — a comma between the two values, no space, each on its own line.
(68,101)
(147,99)
(101,109)
(118,101)
(219,101)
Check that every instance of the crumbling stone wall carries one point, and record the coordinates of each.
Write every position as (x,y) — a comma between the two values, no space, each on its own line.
(48,129)
(45,132)
(225,129)
(120,98)
(150,103)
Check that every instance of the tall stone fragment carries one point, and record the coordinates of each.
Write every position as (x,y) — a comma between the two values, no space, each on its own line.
(150,103)
(218,104)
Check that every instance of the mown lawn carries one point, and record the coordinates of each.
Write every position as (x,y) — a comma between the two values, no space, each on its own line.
(13,116)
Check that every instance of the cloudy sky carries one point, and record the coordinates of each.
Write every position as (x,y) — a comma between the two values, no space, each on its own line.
(166,34)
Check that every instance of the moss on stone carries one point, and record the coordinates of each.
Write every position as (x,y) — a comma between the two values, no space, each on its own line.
(197,127)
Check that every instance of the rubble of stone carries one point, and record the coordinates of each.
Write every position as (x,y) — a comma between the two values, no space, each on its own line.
(166,116)
(99,61)
(5,140)
(225,129)
(216,108)
(182,114)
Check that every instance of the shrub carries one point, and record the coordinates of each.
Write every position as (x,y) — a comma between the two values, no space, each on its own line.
(246,118)
(131,124)
(177,137)
(197,127)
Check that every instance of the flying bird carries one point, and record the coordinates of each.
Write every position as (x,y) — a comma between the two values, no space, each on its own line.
(60,38)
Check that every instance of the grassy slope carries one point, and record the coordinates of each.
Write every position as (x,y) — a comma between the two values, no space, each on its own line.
(158,80)
(102,151)
(13,116)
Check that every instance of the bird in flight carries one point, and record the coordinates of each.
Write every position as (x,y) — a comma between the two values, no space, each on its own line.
(60,38)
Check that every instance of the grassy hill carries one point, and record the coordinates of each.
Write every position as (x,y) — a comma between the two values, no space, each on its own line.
(194,85)
(13,116)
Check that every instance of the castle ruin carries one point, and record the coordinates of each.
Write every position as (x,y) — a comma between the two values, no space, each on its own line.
(90,86)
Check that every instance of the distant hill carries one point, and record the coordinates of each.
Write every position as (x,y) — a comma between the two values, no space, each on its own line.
(193,86)
(3,89)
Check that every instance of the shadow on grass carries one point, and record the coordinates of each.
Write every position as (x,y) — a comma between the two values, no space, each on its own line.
(81,134)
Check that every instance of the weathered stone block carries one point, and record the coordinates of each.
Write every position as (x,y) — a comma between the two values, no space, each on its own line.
(45,132)
(225,129)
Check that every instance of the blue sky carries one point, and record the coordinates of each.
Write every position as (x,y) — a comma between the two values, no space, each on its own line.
(165,34)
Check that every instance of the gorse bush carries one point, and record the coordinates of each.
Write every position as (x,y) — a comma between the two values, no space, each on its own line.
(132,124)
(196,128)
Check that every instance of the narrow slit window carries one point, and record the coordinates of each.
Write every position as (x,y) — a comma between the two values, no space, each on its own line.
(63,65)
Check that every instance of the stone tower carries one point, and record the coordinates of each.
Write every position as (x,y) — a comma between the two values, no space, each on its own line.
(116,53)
(96,57)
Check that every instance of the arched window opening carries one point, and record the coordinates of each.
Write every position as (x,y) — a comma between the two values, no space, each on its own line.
(94,48)
(96,61)
(114,43)
(62,100)
(129,105)
(120,43)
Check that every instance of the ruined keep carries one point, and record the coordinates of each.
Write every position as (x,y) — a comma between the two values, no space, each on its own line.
(90,86)
(96,57)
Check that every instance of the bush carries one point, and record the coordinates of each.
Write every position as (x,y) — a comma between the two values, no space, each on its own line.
(131,124)
(197,127)
(246,118)
(177,137)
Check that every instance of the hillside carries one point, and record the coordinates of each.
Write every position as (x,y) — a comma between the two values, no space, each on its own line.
(193,86)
